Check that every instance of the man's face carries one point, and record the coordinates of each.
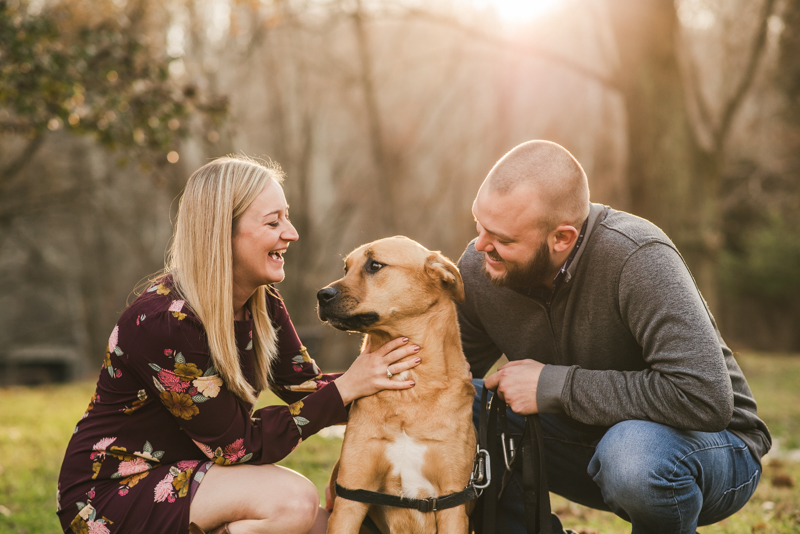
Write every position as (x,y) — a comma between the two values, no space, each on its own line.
(515,249)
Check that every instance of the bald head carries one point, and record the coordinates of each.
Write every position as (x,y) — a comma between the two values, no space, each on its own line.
(548,172)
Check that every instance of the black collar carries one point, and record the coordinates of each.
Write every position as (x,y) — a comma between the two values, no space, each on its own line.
(563,271)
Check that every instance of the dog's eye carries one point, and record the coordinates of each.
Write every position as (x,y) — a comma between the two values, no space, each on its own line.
(374,266)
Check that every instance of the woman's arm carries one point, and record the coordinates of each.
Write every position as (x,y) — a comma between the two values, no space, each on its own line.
(294,374)
(169,354)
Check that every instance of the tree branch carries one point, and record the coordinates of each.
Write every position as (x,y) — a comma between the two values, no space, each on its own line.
(10,171)
(705,129)
(756,53)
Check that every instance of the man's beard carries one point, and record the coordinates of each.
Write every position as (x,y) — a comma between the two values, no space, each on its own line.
(523,276)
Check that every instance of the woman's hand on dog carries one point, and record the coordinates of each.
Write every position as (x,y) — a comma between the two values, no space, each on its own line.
(367,375)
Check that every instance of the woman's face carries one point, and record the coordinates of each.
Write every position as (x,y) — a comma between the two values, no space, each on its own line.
(262,235)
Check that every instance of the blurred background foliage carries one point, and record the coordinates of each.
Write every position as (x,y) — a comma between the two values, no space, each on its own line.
(386,116)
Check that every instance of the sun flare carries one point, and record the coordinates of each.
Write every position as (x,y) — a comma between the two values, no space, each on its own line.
(520,10)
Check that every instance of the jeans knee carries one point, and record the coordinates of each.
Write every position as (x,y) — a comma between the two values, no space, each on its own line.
(632,468)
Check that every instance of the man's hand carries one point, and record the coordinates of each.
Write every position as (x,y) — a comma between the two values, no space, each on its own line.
(517,382)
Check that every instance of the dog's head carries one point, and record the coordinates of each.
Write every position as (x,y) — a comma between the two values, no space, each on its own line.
(386,281)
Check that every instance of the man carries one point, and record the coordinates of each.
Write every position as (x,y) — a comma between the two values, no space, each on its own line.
(644,410)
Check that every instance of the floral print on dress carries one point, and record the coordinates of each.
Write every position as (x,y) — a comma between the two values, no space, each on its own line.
(161,289)
(309,386)
(141,398)
(304,357)
(95,398)
(181,389)
(87,522)
(295,408)
(232,454)
(177,482)
(175,308)
(179,404)
(113,348)
(132,468)
(300,421)
(208,385)
(299,364)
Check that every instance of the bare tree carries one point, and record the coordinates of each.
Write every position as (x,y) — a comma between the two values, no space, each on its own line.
(674,175)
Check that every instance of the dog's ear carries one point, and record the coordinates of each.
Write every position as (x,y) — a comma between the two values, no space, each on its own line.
(446,272)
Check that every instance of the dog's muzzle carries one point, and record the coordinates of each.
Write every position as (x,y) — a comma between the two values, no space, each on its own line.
(325,297)
(329,310)
(327,294)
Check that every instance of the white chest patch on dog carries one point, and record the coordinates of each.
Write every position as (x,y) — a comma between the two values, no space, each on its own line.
(406,456)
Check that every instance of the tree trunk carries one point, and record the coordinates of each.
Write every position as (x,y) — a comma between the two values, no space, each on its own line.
(386,177)
(673,180)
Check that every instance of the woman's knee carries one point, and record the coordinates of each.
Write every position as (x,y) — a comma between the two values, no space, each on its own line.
(305,502)
(297,506)
(283,500)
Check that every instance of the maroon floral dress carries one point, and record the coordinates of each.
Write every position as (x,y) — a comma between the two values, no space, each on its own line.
(160,411)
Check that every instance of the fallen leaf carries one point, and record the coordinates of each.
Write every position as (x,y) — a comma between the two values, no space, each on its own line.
(782,480)
(775,463)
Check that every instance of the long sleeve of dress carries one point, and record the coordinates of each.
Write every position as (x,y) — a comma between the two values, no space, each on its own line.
(169,351)
(294,374)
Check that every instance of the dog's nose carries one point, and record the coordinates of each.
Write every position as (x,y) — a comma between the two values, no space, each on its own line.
(327,294)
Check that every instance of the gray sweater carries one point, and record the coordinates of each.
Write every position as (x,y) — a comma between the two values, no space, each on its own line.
(626,336)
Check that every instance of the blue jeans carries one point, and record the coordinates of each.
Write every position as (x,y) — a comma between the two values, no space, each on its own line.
(657,477)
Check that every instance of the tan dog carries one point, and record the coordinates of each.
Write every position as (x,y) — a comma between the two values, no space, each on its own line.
(419,442)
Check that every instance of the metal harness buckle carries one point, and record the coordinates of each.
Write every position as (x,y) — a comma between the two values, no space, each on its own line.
(427,505)
(512,451)
(482,474)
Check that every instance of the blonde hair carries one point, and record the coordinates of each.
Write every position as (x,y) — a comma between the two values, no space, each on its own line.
(200,260)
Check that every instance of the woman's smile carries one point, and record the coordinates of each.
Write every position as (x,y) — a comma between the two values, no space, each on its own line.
(277,255)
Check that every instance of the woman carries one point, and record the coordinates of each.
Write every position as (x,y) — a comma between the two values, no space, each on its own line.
(183,369)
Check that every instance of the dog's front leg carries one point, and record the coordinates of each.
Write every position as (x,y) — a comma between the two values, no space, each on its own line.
(452,521)
(347,517)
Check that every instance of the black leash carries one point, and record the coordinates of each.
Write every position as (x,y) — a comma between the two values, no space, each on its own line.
(534,478)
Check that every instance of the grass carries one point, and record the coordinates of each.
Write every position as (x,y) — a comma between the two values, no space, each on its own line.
(36,424)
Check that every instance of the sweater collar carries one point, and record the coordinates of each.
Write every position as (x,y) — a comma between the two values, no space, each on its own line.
(571,264)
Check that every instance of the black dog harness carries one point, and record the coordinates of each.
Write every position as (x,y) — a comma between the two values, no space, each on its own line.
(431,504)
(479,479)
(536,497)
